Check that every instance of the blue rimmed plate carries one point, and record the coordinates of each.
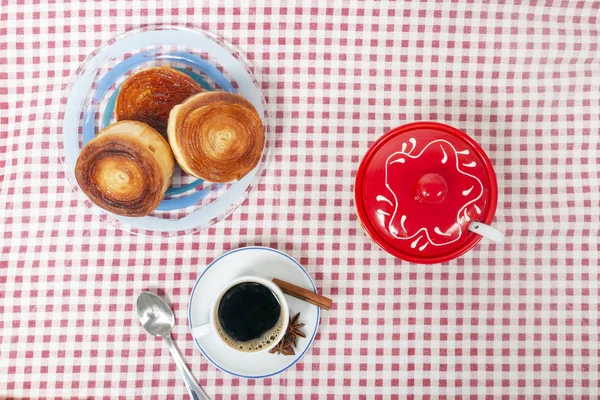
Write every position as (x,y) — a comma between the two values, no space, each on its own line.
(262,262)
(189,204)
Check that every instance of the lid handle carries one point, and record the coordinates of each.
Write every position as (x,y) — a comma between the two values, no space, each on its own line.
(431,189)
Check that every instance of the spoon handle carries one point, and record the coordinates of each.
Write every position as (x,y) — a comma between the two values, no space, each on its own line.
(486,231)
(196,392)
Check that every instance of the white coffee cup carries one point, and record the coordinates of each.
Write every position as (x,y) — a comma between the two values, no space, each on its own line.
(211,326)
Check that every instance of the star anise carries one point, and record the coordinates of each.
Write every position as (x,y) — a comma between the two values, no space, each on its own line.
(283,347)
(293,330)
(289,341)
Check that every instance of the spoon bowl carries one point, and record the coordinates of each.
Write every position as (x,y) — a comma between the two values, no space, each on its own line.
(155,315)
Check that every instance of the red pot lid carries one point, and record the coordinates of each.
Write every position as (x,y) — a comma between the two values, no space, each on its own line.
(420,186)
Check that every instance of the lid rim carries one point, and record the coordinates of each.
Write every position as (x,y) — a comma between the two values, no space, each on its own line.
(471,239)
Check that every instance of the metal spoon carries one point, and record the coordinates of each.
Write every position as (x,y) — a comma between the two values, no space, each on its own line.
(158,320)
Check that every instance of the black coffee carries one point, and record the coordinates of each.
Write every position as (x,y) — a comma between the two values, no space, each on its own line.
(249,312)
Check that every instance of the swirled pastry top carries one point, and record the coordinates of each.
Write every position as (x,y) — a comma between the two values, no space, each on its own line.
(126,168)
(216,136)
(149,95)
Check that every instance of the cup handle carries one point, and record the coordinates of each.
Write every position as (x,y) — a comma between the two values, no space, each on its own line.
(201,330)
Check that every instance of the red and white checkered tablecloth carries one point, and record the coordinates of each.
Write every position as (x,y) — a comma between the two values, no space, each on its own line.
(519,319)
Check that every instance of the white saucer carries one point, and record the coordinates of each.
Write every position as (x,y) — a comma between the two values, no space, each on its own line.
(265,263)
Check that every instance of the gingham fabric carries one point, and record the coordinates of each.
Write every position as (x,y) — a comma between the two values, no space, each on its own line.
(513,320)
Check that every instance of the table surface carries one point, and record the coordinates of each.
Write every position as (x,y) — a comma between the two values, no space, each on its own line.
(515,319)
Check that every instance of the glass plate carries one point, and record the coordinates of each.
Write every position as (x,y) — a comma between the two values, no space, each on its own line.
(190,204)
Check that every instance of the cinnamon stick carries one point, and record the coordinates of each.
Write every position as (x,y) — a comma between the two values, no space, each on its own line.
(303,294)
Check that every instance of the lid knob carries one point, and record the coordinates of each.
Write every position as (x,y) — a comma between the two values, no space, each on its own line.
(431,189)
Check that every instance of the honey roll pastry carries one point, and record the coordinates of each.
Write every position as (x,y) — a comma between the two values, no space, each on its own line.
(126,169)
(216,136)
(150,94)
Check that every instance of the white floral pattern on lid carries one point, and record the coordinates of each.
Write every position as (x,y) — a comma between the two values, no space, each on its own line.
(398,163)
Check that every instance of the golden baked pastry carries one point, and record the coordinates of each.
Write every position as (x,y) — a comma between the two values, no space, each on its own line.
(216,136)
(126,169)
(150,94)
